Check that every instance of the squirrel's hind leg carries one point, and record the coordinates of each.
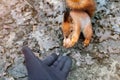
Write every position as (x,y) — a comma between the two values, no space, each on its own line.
(87,32)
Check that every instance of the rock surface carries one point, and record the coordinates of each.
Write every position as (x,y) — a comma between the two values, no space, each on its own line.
(36,23)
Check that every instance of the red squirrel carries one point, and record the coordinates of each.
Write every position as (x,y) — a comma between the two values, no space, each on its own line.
(76,20)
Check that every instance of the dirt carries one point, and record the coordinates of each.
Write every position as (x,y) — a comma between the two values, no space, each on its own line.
(36,23)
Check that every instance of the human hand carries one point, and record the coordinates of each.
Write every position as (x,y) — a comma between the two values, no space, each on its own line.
(54,67)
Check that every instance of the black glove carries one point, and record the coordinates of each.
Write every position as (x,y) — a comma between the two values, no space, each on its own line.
(52,68)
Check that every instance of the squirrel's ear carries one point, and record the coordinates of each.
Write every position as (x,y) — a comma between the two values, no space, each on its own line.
(66,15)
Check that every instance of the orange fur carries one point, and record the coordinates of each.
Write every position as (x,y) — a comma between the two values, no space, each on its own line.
(79,20)
(81,23)
(83,5)
(80,15)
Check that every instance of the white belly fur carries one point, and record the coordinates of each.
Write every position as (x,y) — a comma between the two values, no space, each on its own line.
(81,18)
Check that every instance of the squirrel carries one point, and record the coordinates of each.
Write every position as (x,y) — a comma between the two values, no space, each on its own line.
(77,19)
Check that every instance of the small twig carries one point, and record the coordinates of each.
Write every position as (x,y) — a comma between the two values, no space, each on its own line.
(28,3)
(111,18)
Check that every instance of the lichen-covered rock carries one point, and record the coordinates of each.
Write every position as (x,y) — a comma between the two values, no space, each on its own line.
(36,23)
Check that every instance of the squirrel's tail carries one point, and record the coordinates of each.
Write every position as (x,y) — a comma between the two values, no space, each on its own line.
(88,6)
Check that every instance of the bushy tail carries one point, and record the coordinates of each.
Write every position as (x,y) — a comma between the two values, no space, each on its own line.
(88,6)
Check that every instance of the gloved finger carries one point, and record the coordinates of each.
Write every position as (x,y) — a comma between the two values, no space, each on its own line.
(67,66)
(56,62)
(50,59)
(36,69)
(62,61)
(28,53)
(30,59)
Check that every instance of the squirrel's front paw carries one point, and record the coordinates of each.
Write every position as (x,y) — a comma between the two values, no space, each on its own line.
(67,43)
